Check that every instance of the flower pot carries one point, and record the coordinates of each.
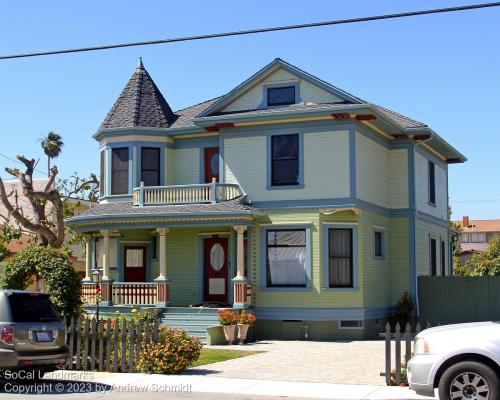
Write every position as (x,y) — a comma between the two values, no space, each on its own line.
(230,333)
(242,332)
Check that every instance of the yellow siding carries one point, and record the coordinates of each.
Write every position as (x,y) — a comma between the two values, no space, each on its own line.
(253,97)
(326,171)
(372,171)
(424,230)
(169,166)
(187,166)
(398,172)
(399,251)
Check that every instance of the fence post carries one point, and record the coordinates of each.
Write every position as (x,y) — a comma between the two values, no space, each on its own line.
(408,342)
(397,339)
(108,345)
(115,346)
(71,344)
(388,353)
(123,334)
(86,345)
(100,329)
(131,347)
(78,348)
(93,337)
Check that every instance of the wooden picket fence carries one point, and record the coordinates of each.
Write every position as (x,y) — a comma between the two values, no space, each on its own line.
(398,339)
(106,344)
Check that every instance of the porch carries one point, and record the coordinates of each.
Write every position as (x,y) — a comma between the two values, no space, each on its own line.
(177,266)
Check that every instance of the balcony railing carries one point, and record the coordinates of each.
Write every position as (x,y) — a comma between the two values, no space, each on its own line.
(126,293)
(185,194)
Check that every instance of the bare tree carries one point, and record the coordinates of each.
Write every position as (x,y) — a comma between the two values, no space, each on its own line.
(48,205)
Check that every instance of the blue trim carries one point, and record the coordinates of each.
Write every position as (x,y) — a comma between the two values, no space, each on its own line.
(432,219)
(382,231)
(326,256)
(321,314)
(269,184)
(287,128)
(204,141)
(265,100)
(352,162)
(263,258)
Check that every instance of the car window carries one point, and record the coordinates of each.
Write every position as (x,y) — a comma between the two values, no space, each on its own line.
(27,307)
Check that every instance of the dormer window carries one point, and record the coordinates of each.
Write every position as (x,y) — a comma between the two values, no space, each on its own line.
(280,96)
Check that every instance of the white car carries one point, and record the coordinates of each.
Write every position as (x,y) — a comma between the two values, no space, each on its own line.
(462,360)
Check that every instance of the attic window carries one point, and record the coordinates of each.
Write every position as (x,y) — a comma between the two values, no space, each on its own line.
(281,96)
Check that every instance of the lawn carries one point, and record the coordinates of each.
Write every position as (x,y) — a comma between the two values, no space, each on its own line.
(209,356)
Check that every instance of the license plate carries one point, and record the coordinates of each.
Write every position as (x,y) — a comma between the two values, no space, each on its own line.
(43,337)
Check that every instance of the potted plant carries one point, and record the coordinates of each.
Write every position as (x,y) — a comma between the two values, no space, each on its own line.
(228,319)
(245,320)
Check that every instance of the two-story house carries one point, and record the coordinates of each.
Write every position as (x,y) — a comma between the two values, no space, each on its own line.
(287,195)
(475,236)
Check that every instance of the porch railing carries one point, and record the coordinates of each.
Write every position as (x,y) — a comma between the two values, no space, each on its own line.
(185,194)
(126,293)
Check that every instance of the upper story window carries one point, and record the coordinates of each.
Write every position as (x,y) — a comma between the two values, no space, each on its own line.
(285,160)
(432,183)
(280,96)
(102,180)
(150,166)
(433,256)
(119,170)
(443,258)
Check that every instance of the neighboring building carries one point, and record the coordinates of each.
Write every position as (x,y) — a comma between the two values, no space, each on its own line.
(288,195)
(14,186)
(475,236)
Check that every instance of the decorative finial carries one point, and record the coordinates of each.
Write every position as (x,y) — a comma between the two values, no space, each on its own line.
(140,65)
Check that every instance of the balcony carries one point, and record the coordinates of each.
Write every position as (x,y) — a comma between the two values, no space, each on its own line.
(205,193)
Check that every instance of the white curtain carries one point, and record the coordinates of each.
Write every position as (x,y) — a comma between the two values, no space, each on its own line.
(135,258)
(340,248)
(287,266)
(113,249)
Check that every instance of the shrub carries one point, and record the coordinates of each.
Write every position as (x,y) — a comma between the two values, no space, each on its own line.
(227,317)
(404,309)
(174,352)
(246,318)
(55,268)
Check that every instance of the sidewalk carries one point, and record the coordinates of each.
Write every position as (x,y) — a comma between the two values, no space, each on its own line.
(206,384)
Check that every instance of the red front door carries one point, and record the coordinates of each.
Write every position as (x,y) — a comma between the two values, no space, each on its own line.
(211,164)
(135,264)
(215,259)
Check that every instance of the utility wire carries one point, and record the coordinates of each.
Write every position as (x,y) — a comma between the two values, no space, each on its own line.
(19,162)
(258,30)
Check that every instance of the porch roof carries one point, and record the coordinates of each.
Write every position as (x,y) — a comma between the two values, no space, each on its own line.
(123,212)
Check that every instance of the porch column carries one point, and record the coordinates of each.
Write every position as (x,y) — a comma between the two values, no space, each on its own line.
(162,282)
(106,282)
(89,250)
(242,289)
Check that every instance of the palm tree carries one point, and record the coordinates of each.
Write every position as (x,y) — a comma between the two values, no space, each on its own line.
(52,145)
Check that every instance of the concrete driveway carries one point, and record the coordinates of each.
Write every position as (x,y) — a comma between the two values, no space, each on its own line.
(349,362)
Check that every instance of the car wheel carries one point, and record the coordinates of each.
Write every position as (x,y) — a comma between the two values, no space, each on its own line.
(469,380)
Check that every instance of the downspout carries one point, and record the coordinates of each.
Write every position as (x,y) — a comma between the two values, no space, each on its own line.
(414,216)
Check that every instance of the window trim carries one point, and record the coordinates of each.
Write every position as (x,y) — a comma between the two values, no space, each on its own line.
(326,255)
(382,231)
(263,257)
(431,187)
(264,103)
(300,183)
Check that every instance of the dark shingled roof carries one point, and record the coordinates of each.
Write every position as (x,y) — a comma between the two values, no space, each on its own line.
(140,104)
(184,116)
(121,208)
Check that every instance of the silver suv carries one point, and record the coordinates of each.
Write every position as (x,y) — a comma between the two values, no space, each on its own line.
(32,333)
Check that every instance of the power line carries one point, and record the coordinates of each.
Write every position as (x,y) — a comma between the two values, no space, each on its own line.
(258,30)
(19,162)
(476,201)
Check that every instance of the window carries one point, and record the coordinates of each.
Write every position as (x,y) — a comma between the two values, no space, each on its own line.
(443,258)
(379,244)
(340,266)
(27,307)
(432,183)
(350,324)
(433,256)
(286,258)
(477,237)
(281,96)
(150,166)
(102,181)
(119,171)
(464,237)
(285,160)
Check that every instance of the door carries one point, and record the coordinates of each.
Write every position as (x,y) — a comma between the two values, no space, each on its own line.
(211,164)
(215,270)
(135,264)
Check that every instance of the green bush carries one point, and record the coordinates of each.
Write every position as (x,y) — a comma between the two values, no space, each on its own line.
(54,267)
(174,352)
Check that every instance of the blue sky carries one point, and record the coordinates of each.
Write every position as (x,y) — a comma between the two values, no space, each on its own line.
(442,70)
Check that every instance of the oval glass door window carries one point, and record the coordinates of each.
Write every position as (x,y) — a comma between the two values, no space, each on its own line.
(216,257)
(214,164)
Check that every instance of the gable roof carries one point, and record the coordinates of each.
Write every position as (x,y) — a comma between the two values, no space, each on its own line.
(140,104)
(267,70)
